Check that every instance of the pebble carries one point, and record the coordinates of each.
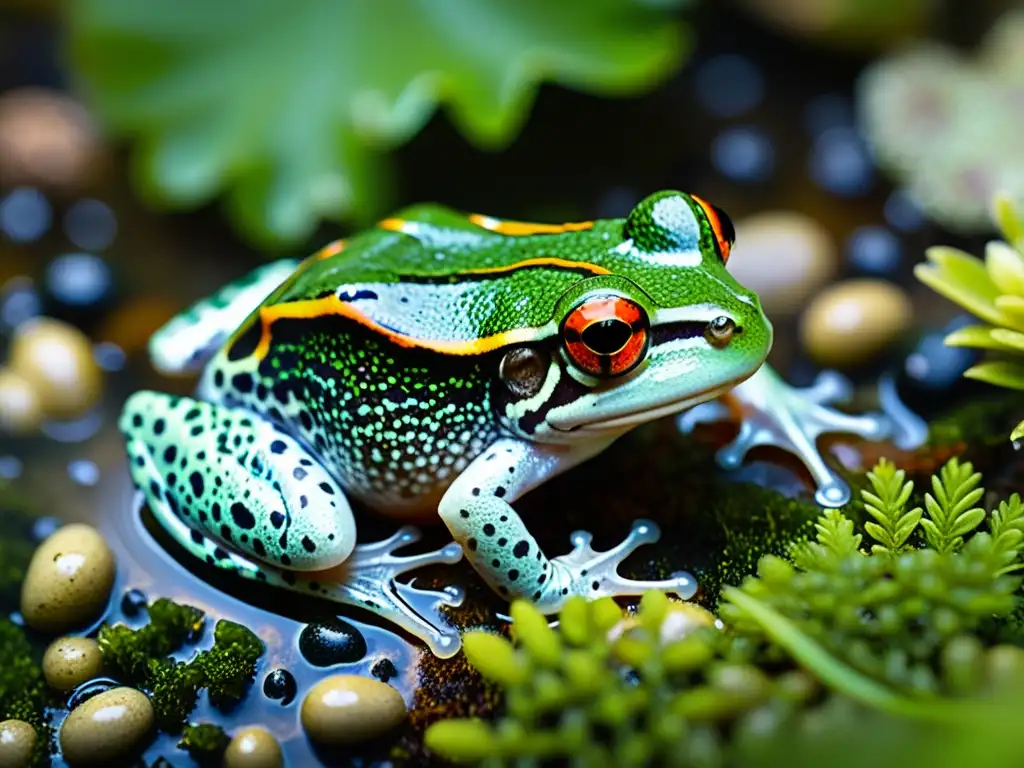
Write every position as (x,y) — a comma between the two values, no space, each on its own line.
(71,661)
(384,670)
(852,322)
(332,641)
(133,603)
(21,411)
(345,709)
(682,619)
(253,747)
(57,358)
(107,728)
(931,375)
(280,684)
(68,580)
(17,743)
(784,257)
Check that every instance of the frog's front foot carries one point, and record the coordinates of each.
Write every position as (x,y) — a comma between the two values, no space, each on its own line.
(593,574)
(771,412)
(371,579)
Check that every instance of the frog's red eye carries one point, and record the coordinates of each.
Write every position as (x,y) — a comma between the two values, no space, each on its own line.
(606,335)
(721,226)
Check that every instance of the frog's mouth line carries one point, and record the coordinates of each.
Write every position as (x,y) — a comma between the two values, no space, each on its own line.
(627,421)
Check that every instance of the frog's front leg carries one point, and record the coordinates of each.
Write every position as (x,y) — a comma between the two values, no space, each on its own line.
(240,494)
(476,509)
(771,412)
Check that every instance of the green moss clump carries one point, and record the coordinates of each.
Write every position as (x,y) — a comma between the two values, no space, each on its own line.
(140,656)
(906,634)
(205,743)
(24,694)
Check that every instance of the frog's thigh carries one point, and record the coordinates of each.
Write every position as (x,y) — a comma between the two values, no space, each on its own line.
(188,340)
(476,509)
(235,477)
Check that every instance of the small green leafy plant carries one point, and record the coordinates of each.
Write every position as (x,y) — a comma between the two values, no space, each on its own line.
(140,657)
(897,639)
(287,107)
(992,290)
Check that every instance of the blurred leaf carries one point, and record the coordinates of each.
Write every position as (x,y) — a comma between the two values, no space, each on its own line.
(962,278)
(287,106)
(1002,373)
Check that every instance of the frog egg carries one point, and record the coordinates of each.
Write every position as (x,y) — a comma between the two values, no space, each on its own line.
(25,215)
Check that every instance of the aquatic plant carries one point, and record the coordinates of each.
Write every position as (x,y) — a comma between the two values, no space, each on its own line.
(24,694)
(140,657)
(307,144)
(905,626)
(991,289)
(204,742)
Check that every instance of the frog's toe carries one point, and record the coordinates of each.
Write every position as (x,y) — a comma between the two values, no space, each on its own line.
(593,574)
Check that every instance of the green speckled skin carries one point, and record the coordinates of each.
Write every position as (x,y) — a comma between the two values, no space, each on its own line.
(376,370)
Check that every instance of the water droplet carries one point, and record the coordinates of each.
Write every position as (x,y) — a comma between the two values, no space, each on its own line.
(90,224)
(743,153)
(840,163)
(78,279)
(729,85)
(903,212)
(25,215)
(19,302)
(874,250)
(109,356)
(84,472)
(10,467)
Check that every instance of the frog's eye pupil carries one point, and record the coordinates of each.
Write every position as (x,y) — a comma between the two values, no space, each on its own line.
(606,335)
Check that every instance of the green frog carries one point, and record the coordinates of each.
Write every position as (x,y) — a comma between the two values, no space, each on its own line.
(444,364)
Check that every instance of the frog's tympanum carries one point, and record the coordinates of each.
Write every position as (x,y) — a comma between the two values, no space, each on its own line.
(446,364)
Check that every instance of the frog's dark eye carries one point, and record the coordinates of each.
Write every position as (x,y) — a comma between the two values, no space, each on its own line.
(606,335)
(719,332)
(721,226)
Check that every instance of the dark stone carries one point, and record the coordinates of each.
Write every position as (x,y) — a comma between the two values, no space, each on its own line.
(384,670)
(280,684)
(90,688)
(133,603)
(332,641)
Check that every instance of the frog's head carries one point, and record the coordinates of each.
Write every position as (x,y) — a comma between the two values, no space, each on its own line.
(667,328)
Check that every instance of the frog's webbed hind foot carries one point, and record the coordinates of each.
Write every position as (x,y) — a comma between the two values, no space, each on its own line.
(371,581)
(593,574)
(773,413)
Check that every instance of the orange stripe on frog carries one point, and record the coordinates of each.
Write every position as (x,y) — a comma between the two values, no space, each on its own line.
(542,261)
(724,246)
(333,306)
(516,228)
(331,249)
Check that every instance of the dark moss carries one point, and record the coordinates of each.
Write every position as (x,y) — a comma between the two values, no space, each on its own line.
(23,691)
(205,743)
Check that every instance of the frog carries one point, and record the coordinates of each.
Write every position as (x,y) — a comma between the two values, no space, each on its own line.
(442,364)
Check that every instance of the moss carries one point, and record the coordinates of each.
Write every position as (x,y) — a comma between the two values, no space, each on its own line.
(140,656)
(23,691)
(16,545)
(205,743)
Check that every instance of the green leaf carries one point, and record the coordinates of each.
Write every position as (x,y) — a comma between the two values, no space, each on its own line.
(1009,219)
(462,740)
(951,510)
(495,657)
(961,278)
(1002,373)
(985,337)
(887,506)
(286,106)
(1006,268)
(1018,432)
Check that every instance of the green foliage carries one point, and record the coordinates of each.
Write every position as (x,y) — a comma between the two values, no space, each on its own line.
(951,511)
(893,523)
(993,290)
(205,743)
(140,656)
(16,545)
(24,694)
(287,107)
(905,639)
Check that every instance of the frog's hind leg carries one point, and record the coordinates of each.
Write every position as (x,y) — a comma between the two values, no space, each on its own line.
(190,339)
(240,494)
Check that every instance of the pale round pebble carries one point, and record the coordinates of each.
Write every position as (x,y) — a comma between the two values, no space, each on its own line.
(17,743)
(853,322)
(58,359)
(20,409)
(784,257)
(345,709)
(683,619)
(253,747)
(71,661)
(68,580)
(106,728)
